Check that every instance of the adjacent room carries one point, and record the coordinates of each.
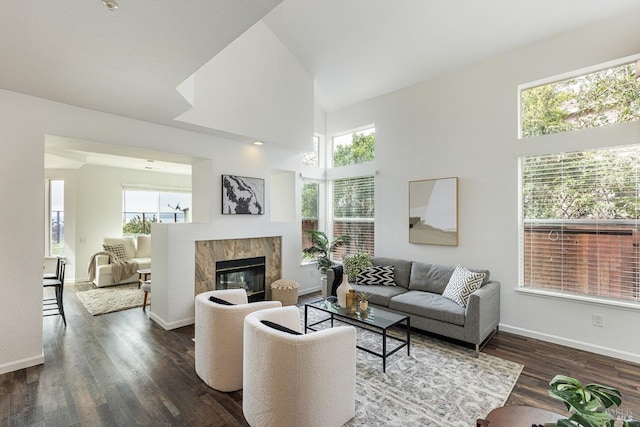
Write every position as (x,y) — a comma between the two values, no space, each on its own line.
(437,205)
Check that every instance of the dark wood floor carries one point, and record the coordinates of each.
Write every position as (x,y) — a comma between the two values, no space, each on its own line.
(121,369)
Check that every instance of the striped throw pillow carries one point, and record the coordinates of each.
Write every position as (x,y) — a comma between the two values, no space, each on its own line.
(377,275)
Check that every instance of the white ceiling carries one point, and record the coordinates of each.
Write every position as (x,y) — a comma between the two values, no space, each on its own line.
(130,61)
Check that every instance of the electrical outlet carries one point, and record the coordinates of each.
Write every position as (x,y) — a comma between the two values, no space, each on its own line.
(598,320)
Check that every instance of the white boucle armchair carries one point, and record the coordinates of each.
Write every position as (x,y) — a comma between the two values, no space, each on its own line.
(218,336)
(297,380)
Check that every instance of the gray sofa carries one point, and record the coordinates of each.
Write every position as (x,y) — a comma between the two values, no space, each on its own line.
(418,293)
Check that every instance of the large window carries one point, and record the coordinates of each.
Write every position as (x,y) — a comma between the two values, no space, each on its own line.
(56,217)
(579,223)
(605,94)
(312,158)
(353,213)
(141,207)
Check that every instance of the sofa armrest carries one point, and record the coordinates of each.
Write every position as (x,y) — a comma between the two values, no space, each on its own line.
(483,312)
(102,260)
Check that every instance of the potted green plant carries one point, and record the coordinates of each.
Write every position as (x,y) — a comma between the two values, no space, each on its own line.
(321,249)
(364,296)
(587,404)
(354,264)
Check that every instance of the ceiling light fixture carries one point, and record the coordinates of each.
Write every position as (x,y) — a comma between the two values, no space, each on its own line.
(111,4)
(258,143)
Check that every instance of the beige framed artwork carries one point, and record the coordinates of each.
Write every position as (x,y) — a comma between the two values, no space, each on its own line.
(433,211)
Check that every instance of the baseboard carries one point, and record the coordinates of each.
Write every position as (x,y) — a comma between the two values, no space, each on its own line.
(22,364)
(310,291)
(171,325)
(81,280)
(580,345)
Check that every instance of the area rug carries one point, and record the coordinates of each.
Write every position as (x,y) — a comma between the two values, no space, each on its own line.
(113,298)
(439,384)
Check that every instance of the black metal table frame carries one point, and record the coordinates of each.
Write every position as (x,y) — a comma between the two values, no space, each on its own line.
(368,327)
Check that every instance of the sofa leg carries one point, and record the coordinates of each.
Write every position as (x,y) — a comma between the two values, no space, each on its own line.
(477,350)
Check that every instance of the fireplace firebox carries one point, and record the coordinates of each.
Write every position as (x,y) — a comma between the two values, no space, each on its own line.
(246,273)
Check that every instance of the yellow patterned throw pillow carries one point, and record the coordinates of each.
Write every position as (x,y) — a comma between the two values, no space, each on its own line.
(117,250)
(462,284)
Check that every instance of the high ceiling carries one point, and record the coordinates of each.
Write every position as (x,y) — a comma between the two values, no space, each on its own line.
(130,61)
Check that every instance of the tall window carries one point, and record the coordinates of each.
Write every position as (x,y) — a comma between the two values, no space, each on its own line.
(579,222)
(354,148)
(143,207)
(310,210)
(56,216)
(597,98)
(353,213)
(312,158)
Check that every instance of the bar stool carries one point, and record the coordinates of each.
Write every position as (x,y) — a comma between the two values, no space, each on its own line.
(54,306)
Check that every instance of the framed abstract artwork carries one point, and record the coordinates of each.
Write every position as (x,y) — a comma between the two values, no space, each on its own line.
(242,195)
(433,211)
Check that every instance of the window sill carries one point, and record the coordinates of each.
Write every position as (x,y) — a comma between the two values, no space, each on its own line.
(634,306)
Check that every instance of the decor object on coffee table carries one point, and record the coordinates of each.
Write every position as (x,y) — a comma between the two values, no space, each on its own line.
(342,291)
(297,380)
(285,291)
(242,195)
(433,211)
(218,336)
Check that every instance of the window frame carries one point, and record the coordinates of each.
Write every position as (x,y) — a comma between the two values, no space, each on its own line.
(331,147)
(569,223)
(564,76)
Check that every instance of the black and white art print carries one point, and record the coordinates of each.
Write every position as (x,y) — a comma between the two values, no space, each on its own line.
(242,195)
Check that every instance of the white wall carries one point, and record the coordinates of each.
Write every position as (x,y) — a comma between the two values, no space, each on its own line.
(465,124)
(255,88)
(24,122)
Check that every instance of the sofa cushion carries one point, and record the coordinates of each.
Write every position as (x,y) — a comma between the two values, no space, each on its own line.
(402,269)
(143,246)
(430,277)
(429,305)
(117,250)
(380,295)
(462,284)
(377,275)
(435,277)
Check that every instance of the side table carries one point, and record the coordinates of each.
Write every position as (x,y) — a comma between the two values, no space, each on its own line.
(144,274)
(509,416)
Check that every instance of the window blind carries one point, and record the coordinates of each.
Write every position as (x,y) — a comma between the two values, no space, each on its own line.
(579,222)
(353,213)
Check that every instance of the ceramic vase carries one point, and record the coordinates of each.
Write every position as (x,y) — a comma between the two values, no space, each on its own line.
(343,290)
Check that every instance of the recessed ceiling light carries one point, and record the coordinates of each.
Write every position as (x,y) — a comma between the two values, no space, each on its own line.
(111,4)
(258,143)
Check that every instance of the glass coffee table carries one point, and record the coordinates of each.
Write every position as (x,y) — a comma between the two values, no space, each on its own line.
(376,320)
